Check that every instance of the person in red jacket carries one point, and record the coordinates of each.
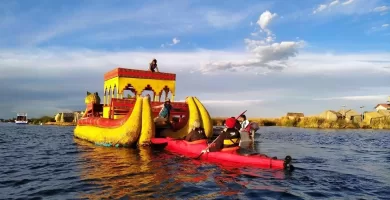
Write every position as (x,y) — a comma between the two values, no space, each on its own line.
(230,132)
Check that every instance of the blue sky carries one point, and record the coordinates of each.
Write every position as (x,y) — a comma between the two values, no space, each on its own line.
(270,57)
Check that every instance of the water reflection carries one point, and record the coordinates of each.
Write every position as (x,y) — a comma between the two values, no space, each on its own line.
(146,173)
(119,172)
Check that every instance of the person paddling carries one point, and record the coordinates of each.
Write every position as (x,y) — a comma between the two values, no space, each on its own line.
(153,66)
(230,132)
(197,133)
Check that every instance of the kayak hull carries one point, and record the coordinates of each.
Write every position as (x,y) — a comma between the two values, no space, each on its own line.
(227,155)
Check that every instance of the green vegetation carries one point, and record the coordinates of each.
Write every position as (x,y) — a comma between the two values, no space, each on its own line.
(42,120)
(314,122)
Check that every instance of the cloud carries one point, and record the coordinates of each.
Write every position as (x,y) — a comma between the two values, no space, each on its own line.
(265,19)
(381,9)
(348,2)
(333,3)
(224,103)
(320,8)
(55,79)
(374,29)
(355,98)
(266,55)
(224,19)
(174,42)
(344,7)
(103,21)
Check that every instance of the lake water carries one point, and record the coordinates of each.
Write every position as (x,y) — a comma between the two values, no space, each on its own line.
(46,162)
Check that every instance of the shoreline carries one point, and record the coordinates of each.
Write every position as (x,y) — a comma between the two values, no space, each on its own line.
(60,124)
(304,122)
(312,123)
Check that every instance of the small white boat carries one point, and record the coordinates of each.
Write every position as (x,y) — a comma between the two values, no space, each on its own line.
(21,118)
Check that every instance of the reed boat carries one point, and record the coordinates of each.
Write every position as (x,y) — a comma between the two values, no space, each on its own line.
(133,120)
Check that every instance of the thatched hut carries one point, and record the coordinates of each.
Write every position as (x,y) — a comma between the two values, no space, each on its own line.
(292,115)
(351,115)
(330,115)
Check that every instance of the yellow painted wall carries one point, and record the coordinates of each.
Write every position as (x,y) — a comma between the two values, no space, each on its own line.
(106,111)
(139,84)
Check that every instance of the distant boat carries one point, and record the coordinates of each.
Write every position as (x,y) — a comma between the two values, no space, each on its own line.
(21,118)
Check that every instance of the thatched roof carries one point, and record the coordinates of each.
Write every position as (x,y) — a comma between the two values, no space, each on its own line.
(291,114)
(334,112)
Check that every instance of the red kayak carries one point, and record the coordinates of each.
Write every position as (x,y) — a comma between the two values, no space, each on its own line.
(226,155)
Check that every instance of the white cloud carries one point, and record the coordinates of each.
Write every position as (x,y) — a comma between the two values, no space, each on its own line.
(53,62)
(265,19)
(224,19)
(333,3)
(91,21)
(175,41)
(320,8)
(347,7)
(230,102)
(381,9)
(266,55)
(339,63)
(385,25)
(355,98)
(348,2)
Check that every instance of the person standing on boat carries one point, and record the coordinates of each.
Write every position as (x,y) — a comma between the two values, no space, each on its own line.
(153,66)
(197,133)
(229,133)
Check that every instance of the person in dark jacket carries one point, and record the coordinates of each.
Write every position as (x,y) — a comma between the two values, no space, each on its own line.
(197,133)
(230,132)
(153,66)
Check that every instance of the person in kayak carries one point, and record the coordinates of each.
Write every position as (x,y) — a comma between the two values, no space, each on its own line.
(153,66)
(229,133)
(237,125)
(197,133)
(243,122)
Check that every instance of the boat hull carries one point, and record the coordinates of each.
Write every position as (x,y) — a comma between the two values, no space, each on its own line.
(21,122)
(113,132)
(226,156)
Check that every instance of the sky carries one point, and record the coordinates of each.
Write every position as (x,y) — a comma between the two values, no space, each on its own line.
(269,57)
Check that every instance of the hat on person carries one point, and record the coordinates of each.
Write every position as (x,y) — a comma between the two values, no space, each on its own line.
(167,100)
(230,122)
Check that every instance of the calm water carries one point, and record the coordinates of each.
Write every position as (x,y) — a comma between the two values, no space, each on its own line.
(46,162)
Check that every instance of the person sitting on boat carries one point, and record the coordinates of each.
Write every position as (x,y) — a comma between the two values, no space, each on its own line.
(229,133)
(153,66)
(165,111)
(197,133)
(244,123)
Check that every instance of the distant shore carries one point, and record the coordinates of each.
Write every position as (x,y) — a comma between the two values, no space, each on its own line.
(311,122)
(61,123)
(304,122)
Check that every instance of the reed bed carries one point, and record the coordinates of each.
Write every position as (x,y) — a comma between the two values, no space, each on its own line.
(313,122)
